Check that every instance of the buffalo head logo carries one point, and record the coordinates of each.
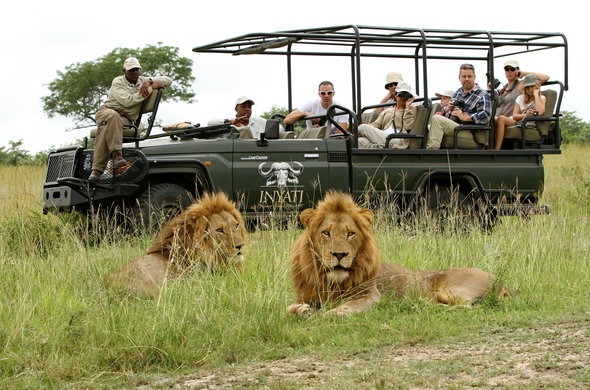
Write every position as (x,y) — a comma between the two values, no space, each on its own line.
(281,174)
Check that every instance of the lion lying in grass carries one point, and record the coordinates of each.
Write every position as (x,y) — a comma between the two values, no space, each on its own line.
(337,259)
(208,235)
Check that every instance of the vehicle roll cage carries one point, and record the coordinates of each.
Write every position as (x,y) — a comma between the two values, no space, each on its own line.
(421,45)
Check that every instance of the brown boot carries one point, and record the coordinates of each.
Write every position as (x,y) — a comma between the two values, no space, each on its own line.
(118,160)
(95,175)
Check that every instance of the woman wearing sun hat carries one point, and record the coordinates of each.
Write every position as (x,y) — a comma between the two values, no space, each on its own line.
(530,103)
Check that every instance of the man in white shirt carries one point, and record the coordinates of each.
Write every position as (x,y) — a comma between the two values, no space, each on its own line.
(244,118)
(317,106)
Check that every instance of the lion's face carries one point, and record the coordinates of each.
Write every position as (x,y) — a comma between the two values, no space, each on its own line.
(226,236)
(336,238)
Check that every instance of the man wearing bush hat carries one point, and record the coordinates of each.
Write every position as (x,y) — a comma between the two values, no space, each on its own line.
(391,81)
(122,106)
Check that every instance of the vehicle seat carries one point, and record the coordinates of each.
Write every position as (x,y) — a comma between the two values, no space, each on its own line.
(318,132)
(540,130)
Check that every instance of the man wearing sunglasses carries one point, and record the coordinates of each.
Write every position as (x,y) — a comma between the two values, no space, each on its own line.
(317,106)
(513,87)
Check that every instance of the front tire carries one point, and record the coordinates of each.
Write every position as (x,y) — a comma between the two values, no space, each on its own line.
(160,203)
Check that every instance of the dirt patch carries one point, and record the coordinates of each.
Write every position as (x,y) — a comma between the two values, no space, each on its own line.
(549,356)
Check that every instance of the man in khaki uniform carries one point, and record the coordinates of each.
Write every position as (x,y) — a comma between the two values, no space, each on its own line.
(122,106)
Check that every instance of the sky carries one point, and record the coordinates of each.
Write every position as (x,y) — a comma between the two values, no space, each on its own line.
(40,39)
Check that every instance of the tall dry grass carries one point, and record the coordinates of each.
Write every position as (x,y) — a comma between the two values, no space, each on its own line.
(60,328)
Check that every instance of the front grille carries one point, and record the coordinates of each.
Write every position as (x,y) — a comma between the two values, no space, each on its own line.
(60,164)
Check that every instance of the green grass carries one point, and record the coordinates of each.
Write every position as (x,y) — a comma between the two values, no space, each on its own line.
(60,328)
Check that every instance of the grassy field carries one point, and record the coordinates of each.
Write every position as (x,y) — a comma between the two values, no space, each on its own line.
(59,328)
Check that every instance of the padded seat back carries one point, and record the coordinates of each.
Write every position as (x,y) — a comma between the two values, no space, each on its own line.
(542,128)
(420,124)
(369,117)
(317,132)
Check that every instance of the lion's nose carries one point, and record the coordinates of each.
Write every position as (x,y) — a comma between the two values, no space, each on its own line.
(339,255)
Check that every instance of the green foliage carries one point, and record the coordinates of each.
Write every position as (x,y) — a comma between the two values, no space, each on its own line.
(15,155)
(81,88)
(574,129)
(276,109)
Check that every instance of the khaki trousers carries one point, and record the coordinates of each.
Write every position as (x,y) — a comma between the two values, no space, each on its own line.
(439,127)
(109,136)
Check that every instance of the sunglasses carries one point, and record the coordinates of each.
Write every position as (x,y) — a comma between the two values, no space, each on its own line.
(325,92)
(509,69)
(387,86)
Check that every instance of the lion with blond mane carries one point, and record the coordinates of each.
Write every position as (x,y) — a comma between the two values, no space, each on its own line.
(336,259)
(209,235)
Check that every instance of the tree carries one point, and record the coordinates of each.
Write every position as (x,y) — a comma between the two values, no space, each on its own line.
(14,155)
(275,109)
(574,129)
(81,88)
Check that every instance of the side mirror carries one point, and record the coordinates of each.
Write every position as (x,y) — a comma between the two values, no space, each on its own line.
(271,131)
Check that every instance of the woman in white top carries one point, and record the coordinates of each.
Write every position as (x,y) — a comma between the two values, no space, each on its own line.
(530,103)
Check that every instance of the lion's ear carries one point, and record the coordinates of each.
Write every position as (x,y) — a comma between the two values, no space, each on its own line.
(367,215)
(306,216)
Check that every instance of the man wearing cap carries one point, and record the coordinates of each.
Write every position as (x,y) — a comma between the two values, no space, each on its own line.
(476,108)
(243,119)
(512,89)
(391,81)
(317,106)
(398,119)
(122,106)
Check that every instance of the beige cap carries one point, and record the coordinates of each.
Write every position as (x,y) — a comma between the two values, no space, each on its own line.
(131,63)
(393,77)
(404,87)
(244,99)
(511,62)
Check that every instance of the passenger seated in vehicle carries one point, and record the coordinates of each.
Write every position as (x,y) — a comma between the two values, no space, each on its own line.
(445,97)
(391,82)
(470,105)
(317,106)
(513,88)
(397,119)
(248,125)
(530,103)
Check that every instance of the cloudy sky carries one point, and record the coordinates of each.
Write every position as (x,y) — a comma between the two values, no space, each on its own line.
(40,39)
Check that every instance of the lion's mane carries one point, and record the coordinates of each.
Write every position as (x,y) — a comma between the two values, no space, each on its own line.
(310,278)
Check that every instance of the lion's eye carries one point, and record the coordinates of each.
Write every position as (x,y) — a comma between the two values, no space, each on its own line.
(220,230)
(237,225)
(351,234)
(326,233)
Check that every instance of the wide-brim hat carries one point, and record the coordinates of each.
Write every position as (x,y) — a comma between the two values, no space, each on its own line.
(393,77)
(446,92)
(404,87)
(529,80)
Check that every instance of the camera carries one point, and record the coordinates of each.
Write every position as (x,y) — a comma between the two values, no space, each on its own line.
(458,103)
(404,95)
(496,83)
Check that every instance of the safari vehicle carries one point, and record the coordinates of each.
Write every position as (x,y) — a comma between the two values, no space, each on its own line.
(276,175)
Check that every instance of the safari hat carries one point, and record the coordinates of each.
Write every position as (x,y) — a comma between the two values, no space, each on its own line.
(131,63)
(511,62)
(446,92)
(244,99)
(393,77)
(529,80)
(404,87)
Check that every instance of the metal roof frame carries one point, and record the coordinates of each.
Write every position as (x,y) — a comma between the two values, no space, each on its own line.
(358,41)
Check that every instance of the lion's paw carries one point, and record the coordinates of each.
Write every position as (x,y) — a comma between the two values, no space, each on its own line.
(340,311)
(299,309)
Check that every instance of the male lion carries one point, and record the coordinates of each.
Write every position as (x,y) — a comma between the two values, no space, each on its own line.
(209,235)
(336,258)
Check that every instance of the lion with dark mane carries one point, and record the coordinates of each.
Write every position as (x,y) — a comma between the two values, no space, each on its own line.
(336,259)
(209,235)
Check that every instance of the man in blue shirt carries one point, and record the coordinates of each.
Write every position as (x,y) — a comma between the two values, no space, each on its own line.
(470,105)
